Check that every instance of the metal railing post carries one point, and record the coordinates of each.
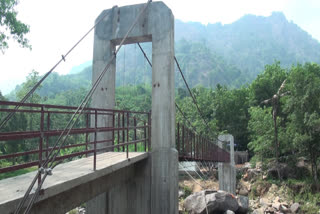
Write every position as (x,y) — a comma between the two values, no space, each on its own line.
(128,123)
(41,141)
(135,133)
(95,140)
(149,131)
(113,126)
(178,138)
(87,134)
(145,135)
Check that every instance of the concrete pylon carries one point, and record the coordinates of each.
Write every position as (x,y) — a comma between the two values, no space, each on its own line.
(227,171)
(157,26)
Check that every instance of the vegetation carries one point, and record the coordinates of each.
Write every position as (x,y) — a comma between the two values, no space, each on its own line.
(10,26)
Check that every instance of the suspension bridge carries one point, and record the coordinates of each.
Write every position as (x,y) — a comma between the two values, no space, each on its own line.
(115,161)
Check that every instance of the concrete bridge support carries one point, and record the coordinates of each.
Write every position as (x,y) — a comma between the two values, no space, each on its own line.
(157,26)
(227,171)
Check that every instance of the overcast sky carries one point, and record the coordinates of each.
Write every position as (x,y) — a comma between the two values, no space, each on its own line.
(55,26)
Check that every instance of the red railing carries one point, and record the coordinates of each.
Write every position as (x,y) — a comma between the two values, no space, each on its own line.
(32,132)
(192,146)
(30,135)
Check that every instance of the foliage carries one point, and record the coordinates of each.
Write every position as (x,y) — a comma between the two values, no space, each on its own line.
(303,112)
(31,81)
(261,132)
(267,83)
(10,26)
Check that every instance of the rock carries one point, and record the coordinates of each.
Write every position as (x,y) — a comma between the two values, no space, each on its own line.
(295,207)
(243,191)
(243,202)
(277,199)
(251,174)
(196,202)
(181,193)
(271,209)
(264,202)
(220,201)
(229,212)
(284,209)
(258,211)
(247,165)
(276,205)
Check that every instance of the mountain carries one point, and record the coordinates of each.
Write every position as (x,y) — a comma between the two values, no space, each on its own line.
(254,41)
(231,54)
(79,68)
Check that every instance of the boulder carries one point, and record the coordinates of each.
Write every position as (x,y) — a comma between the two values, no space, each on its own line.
(213,201)
(221,201)
(196,202)
(295,207)
(243,203)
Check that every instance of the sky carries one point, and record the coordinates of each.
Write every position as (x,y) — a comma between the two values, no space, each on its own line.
(56,25)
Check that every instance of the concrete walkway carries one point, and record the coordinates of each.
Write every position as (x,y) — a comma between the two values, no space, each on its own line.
(65,176)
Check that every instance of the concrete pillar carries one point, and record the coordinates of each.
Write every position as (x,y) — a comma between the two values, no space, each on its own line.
(157,26)
(227,171)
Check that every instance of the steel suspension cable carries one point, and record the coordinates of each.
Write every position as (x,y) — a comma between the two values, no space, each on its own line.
(179,109)
(78,112)
(63,58)
(191,94)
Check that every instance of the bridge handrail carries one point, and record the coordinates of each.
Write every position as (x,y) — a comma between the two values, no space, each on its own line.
(125,128)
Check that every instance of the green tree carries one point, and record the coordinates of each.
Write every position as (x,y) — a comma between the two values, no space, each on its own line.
(267,83)
(2,98)
(231,113)
(303,107)
(10,26)
(261,130)
(31,81)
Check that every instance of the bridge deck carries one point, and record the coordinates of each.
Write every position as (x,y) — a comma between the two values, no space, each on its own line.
(65,176)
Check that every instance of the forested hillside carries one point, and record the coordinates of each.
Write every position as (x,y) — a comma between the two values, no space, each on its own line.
(254,41)
(231,55)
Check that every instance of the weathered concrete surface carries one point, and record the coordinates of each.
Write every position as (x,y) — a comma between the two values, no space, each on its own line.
(156,25)
(227,171)
(73,183)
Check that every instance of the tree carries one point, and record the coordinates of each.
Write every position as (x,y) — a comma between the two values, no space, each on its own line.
(2,98)
(32,80)
(231,113)
(10,26)
(261,130)
(267,84)
(303,108)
